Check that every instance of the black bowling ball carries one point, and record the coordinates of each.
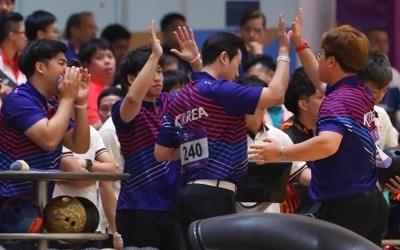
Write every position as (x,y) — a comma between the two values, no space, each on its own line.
(394,169)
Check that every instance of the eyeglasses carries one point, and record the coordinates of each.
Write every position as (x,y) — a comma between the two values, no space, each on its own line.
(319,53)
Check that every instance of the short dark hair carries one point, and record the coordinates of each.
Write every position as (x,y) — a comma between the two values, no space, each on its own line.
(110,91)
(377,70)
(251,81)
(114,32)
(264,60)
(38,20)
(74,21)
(169,18)
(173,78)
(90,47)
(134,61)
(9,22)
(41,50)
(252,14)
(218,43)
(300,87)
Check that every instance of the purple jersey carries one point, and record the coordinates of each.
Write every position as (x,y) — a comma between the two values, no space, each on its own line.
(207,122)
(21,109)
(153,185)
(347,110)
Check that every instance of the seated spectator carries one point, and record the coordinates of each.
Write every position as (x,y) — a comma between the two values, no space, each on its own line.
(98,57)
(174,81)
(12,42)
(118,36)
(80,28)
(257,131)
(106,100)
(41,25)
(169,23)
(263,66)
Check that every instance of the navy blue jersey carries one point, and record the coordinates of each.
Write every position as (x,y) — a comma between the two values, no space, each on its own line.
(153,185)
(347,110)
(207,122)
(21,109)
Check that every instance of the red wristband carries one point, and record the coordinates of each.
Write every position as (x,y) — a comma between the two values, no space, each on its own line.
(302,46)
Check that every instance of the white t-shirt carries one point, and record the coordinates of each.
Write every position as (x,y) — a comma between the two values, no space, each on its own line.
(110,140)
(7,70)
(387,133)
(297,168)
(96,147)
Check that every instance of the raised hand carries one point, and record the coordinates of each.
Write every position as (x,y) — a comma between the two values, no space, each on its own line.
(154,41)
(187,44)
(297,28)
(284,37)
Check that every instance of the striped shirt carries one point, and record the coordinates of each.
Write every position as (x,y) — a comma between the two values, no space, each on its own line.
(21,109)
(347,110)
(153,185)
(217,108)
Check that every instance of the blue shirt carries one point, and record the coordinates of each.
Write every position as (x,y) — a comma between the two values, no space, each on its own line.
(153,185)
(21,109)
(213,109)
(347,110)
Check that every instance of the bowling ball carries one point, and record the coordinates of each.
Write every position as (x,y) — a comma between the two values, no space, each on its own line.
(64,214)
(20,215)
(394,169)
(92,215)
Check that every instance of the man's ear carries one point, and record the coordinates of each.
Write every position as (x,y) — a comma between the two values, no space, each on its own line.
(40,34)
(131,79)
(223,57)
(302,105)
(40,67)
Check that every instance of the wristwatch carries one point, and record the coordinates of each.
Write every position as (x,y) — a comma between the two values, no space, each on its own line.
(89,165)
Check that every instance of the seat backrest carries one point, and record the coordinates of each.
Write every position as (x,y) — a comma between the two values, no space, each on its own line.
(269,231)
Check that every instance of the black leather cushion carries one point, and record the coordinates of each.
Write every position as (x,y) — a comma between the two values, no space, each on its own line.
(268,231)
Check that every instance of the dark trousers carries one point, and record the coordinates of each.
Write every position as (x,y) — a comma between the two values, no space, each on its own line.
(197,201)
(365,214)
(140,228)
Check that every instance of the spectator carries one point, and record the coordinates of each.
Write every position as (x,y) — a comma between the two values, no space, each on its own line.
(41,25)
(7,6)
(263,67)
(12,42)
(257,131)
(379,40)
(253,25)
(174,81)
(169,23)
(97,55)
(303,100)
(106,101)
(80,28)
(118,36)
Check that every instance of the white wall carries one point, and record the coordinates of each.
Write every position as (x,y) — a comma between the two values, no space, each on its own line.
(136,14)
(201,14)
